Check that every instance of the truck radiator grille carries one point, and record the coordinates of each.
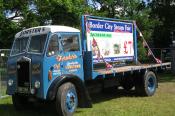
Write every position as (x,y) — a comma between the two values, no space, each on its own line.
(23,73)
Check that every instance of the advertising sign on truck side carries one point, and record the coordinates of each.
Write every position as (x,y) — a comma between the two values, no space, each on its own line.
(115,39)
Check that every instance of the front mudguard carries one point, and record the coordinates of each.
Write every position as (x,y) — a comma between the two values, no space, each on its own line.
(83,95)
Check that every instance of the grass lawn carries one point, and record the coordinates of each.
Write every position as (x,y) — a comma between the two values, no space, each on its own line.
(116,103)
(2,81)
(2,91)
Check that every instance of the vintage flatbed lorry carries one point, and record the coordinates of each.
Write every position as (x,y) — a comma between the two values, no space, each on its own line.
(53,63)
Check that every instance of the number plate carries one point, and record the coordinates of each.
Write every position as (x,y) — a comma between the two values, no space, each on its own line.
(23,90)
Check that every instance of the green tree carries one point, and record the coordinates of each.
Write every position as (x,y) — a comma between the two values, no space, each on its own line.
(62,12)
(164,11)
(10,10)
(37,12)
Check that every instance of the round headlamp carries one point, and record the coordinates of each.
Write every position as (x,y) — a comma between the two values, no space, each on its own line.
(37,84)
(10,82)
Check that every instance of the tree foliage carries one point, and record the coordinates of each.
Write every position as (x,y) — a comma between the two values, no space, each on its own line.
(37,12)
(163,10)
(62,12)
(10,10)
(156,19)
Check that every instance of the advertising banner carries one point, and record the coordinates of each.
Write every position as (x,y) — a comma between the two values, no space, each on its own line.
(110,40)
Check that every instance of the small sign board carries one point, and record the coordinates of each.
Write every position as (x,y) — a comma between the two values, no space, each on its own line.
(110,40)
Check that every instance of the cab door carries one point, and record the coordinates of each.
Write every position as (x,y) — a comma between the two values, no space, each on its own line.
(51,67)
(71,55)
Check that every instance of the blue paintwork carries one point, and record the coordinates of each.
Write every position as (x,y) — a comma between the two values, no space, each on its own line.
(87,60)
(36,59)
(12,67)
(83,33)
(135,44)
(51,62)
(71,100)
(48,64)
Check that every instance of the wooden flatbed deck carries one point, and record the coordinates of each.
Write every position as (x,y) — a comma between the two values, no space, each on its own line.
(133,68)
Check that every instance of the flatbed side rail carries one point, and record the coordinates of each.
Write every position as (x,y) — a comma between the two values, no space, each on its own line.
(133,68)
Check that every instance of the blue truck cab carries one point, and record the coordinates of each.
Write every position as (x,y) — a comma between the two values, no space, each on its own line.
(53,63)
(39,56)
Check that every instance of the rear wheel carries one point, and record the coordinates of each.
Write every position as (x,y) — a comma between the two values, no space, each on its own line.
(66,99)
(147,84)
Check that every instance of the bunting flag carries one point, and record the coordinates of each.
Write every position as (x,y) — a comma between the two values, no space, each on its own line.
(87,27)
(94,43)
(141,35)
(97,51)
(158,61)
(108,66)
(149,53)
(144,44)
(99,56)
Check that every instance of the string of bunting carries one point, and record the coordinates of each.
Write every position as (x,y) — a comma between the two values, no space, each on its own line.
(150,53)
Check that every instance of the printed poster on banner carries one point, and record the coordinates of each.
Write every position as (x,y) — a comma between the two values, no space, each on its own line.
(109,40)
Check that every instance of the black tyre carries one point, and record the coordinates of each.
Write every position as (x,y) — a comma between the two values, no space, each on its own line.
(19,102)
(127,86)
(147,85)
(66,99)
(127,83)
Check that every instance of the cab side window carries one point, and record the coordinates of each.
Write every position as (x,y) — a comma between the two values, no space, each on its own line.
(53,46)
(70,43)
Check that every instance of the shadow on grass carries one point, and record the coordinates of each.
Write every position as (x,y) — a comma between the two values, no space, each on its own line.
(109,94)
(47,110)
(8,110)
(166,77)
(112,93)
(6,107)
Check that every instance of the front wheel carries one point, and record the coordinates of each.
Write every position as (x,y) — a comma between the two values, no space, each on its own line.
(66,99)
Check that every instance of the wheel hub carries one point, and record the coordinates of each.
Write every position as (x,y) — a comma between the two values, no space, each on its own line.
(71,101)
(151,84)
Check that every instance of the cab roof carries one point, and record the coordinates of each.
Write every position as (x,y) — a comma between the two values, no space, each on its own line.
(45,29)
